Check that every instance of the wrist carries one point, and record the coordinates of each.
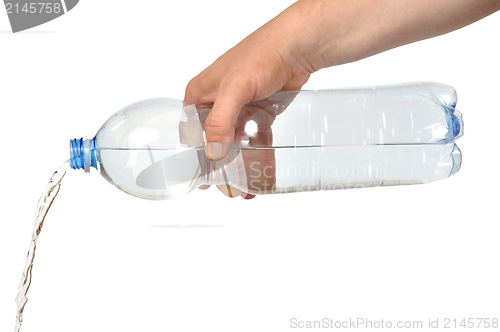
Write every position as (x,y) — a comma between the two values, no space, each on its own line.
(324,33)
(313,32)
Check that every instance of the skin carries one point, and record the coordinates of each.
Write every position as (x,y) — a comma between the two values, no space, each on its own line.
(311,35)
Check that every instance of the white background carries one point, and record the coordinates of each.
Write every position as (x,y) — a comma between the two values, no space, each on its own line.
(396,253)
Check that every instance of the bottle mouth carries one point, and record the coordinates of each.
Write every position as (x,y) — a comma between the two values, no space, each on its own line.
(82,154)
(76,153)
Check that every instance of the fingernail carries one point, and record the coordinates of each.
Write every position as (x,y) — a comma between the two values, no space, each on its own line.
(217,150)
(228,190)
(246,195)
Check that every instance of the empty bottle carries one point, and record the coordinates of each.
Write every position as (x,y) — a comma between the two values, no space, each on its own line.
(292,141)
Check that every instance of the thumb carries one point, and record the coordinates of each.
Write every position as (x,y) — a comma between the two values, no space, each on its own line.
(219,125)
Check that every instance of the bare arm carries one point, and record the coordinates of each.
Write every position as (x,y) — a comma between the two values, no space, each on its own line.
(342,31)
(315,34)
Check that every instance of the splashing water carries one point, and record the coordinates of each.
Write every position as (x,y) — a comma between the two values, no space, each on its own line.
(42,208)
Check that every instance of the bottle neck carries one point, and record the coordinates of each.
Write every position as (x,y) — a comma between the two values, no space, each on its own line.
(83,154)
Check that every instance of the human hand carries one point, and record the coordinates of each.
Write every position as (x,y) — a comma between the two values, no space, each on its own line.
(258,66)
(308,36)
(252,162)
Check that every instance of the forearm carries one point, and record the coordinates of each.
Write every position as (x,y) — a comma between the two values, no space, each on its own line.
(333,32)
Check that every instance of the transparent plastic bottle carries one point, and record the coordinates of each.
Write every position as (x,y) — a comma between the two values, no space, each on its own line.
(292,141)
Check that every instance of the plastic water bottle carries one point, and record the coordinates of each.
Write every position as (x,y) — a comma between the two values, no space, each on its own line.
(292,141)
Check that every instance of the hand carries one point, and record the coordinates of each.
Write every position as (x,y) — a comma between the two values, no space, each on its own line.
(258,66)
(308,36)
(252,161)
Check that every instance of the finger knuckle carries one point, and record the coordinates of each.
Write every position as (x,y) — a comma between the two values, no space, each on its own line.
(217,126)
(192,90)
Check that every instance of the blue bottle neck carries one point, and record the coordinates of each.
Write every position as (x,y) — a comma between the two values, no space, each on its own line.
(83,154)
